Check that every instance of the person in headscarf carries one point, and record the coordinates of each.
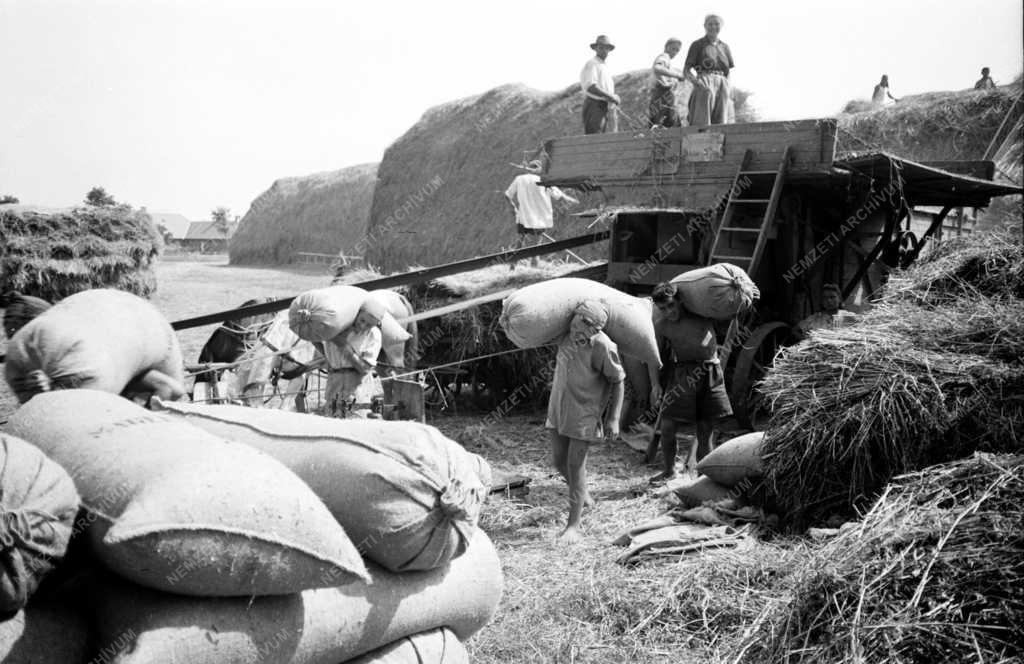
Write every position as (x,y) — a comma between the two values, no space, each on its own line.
(532,205)
(351,359)
(585,405)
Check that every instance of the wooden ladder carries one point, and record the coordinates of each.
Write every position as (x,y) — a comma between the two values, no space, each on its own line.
(726,231)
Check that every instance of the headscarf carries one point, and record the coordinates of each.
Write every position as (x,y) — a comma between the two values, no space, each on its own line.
(595,310)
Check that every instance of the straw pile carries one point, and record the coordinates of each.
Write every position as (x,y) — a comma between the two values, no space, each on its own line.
(57,252)
(322,213)
(930,126)
(934,572)
(446,175)
(931,374)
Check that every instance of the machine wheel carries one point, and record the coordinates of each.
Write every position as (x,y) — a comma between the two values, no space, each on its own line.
(756,354)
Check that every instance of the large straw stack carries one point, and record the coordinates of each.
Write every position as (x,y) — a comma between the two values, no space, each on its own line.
(933,573)
(55,253)
(320,213)
(933,373)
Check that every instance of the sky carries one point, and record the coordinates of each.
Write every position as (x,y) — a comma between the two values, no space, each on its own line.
(187,105)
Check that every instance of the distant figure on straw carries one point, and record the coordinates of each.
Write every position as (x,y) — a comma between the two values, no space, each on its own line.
(707,66)
(532,205)
(351,359)
(662,110)
(585,404)
(881,94)
(599,98)
(830,317)
(985,82)
(695,389)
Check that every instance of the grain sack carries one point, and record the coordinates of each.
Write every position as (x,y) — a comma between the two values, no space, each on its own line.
(437,646)
(407,496)
(324,626)
(735,460)
(322,314)
(719,291)
(38,503)
(540,313)
(48,634)
(694,492)
(98,339)
(173,507)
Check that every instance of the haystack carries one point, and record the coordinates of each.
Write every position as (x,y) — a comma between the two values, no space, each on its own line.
(934,126)
(931,374)
(53,253)
(933,573)
(324,213)
(439,193)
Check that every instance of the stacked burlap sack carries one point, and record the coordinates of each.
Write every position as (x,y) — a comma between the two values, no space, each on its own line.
(38,503)
(216,551)
(731,470)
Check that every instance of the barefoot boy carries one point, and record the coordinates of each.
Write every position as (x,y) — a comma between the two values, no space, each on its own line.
(588,377)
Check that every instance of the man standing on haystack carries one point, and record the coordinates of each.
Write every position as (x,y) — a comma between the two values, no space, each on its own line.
(599,98)
(711,59)
(662,111)
(695,393)
(585,405)
(351,358)
(532,205)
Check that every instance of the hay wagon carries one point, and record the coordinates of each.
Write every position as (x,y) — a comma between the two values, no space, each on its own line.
(772,198)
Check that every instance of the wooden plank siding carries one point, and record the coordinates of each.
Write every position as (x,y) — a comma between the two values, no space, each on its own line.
(624,161)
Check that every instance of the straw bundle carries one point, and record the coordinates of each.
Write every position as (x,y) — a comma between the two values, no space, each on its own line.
(934,572)
(933,373)
(440,192)
(929,126)
(320,213)
(54,253)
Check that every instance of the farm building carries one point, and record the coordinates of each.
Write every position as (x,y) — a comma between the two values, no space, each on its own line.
(176,225)
(206,238)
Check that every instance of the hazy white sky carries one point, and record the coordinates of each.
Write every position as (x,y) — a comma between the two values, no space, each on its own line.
(186,105)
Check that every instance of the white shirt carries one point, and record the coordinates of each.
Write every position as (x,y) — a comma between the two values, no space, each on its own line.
(665,62)
(533,202)
(366,345)
(596,72)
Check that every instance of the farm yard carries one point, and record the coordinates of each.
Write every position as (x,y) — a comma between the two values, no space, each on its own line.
(683,362)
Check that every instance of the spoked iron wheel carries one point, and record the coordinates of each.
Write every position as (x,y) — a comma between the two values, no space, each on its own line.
(755,356)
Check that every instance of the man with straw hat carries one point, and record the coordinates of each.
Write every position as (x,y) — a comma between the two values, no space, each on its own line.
(599,98)
(585,405)
(532,205)
(351,358)
(711,59)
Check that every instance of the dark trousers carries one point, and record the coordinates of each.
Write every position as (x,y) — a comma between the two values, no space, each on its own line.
(598,118)
(662,111)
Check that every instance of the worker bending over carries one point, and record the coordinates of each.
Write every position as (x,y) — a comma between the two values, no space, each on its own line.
(695,391)
(351,359)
